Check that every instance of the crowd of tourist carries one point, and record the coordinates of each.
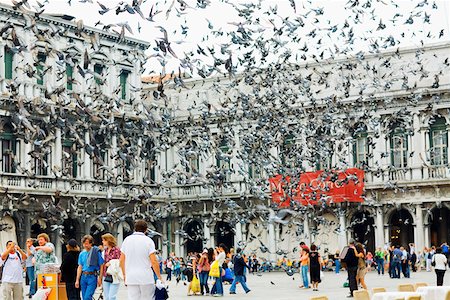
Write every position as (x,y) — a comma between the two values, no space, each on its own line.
(205,273)
(135,264)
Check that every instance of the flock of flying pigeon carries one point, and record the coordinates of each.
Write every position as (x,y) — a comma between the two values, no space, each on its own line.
(270,66)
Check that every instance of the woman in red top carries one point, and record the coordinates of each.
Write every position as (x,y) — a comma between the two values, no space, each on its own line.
(110,288)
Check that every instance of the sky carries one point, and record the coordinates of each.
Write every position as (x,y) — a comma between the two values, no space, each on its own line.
(220,16)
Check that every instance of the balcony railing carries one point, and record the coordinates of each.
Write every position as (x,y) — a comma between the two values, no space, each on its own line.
(100,188)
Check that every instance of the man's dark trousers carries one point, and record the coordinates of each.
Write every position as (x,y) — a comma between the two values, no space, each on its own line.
(352,279)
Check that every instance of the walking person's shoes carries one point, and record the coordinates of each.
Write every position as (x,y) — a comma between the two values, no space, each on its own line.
(248,291)
(232,293)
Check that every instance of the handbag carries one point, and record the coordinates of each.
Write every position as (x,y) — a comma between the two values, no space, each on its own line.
(215,270)
(109,278)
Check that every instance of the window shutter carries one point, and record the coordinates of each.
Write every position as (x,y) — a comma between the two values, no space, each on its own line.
(8,63)
(99,70)
(40,68)
(123,84)
(69,74)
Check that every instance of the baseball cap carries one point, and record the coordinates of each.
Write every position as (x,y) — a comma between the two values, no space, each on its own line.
(72,243)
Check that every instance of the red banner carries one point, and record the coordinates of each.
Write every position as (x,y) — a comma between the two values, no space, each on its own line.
(312,187)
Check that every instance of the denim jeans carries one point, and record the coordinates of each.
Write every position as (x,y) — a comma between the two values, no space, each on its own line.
(380,266)
(110,290)
(338,266)
(88,284)
(203,277)
(305,276)
(237,279)
(32,279)
(218,284)
(72,292)
(396,269)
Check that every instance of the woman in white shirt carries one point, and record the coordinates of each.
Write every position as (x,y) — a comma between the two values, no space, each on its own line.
(439,262)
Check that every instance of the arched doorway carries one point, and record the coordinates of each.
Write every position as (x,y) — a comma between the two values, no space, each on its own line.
(71,230)
(224,234)
(97,230)
(439,223)
(8,231)
(124,229)
(37,228)
(194,232)
(401,228)
(363,230)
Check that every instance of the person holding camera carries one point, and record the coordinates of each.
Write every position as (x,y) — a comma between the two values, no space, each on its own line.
(12,273)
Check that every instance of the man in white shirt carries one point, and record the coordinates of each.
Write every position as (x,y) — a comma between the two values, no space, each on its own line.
(12,276)
(137,260)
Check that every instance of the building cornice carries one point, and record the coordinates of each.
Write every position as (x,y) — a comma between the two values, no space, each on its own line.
(6,9)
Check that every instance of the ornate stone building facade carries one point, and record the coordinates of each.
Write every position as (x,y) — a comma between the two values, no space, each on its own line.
(68,95)
(402,145)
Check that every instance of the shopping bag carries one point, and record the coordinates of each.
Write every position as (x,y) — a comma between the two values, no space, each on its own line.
(41,294)
(195,285)
(215,270)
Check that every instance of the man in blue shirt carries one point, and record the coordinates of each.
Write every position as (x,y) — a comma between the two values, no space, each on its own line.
(396,262)
(89,272)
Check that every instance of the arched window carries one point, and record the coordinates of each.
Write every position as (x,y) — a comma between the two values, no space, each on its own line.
(399,148)
(438,142)
(360,147)
(9,149)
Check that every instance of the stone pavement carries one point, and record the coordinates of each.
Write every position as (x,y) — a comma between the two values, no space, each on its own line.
(279,286)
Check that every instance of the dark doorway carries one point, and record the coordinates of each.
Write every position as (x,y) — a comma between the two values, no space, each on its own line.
(36,229)
(224,234)
(71,231)
(439,223)
(363,230)
(97,231)
(194,239)
(401,228)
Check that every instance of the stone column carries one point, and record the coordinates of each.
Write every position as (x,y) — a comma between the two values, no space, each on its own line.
(164,253)
(177,238)
(420,230)
(87,226)
(58,245)
(27,225)
(212,232)
(342,237)
(119,234)
(272,243)
(207,234)
(379,233)
(57,157)
(426,237)
(306,232)
(238,236)
(419,146)
(87,159)
(386,234)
